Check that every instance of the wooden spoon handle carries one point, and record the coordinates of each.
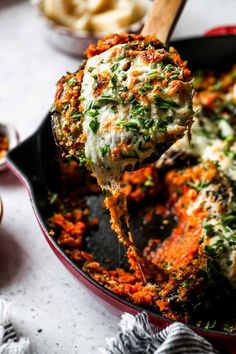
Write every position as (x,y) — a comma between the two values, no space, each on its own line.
(162,18)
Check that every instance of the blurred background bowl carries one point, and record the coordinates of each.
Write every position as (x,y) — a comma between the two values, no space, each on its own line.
(73,42)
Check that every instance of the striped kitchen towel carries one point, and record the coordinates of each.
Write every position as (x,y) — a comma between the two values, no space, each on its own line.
(9,342)
(136,336)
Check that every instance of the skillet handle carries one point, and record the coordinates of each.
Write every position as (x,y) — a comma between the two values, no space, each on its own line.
(221,31)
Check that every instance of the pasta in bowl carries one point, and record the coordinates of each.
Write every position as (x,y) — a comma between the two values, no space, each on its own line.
(72,25)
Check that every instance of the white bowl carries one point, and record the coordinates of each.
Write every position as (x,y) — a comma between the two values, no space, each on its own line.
(72,42)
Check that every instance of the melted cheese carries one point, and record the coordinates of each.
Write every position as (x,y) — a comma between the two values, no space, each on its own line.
(215,198)
(130,131)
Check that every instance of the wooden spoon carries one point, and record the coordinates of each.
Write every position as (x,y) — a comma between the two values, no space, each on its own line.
(162,18)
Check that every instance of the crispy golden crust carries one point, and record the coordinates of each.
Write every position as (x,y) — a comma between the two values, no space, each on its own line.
(67,108)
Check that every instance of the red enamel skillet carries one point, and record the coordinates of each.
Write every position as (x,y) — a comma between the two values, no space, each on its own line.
(33,162)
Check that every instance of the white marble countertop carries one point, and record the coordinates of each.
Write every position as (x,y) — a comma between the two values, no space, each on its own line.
(49,305)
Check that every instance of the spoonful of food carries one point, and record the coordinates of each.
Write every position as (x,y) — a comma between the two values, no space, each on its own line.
(130,100)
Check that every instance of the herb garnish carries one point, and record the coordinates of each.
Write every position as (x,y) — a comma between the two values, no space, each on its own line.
(146,123)
(115,67)
(71,81)
(76,115)
(104,150)
(162,125)
(217,86)
(122,88)
(153,65)
(103,100)
(168,67)
(165,103)
(139,110)
(149,181)
(53,198)
(187,282)
(129,125)
(198,186)
(210,324)
(93,113)
(83,160)
(127,46)
(228,328)
(53,109)
(143,90)
(94,125)
(122,56)
(114,80)
(66,106)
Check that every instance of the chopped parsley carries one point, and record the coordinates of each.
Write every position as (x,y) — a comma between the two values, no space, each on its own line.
(94,125)
(53,198)
(209,228)
(153,75)
(104,100)
(114,80)
(95,77)
(139,110)
(129,125)
(165,103)
(53,109)
(210,324)
(168,67)
(104,150)
(163,124)
(93,113)
(71,81)
(122,56)
(229,218)
(114,67)
(146,123)
(143,90)
(127,46)
(217,86)
(122,88)
(198,186)
(187,282)
(233,74)
(130,155)
(83,160)
(153,65)
(228,328)
(175,75)
(76,115)
(66,106)
(149,181)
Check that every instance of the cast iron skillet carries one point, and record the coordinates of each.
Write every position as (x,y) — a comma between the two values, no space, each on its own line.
(32,162)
